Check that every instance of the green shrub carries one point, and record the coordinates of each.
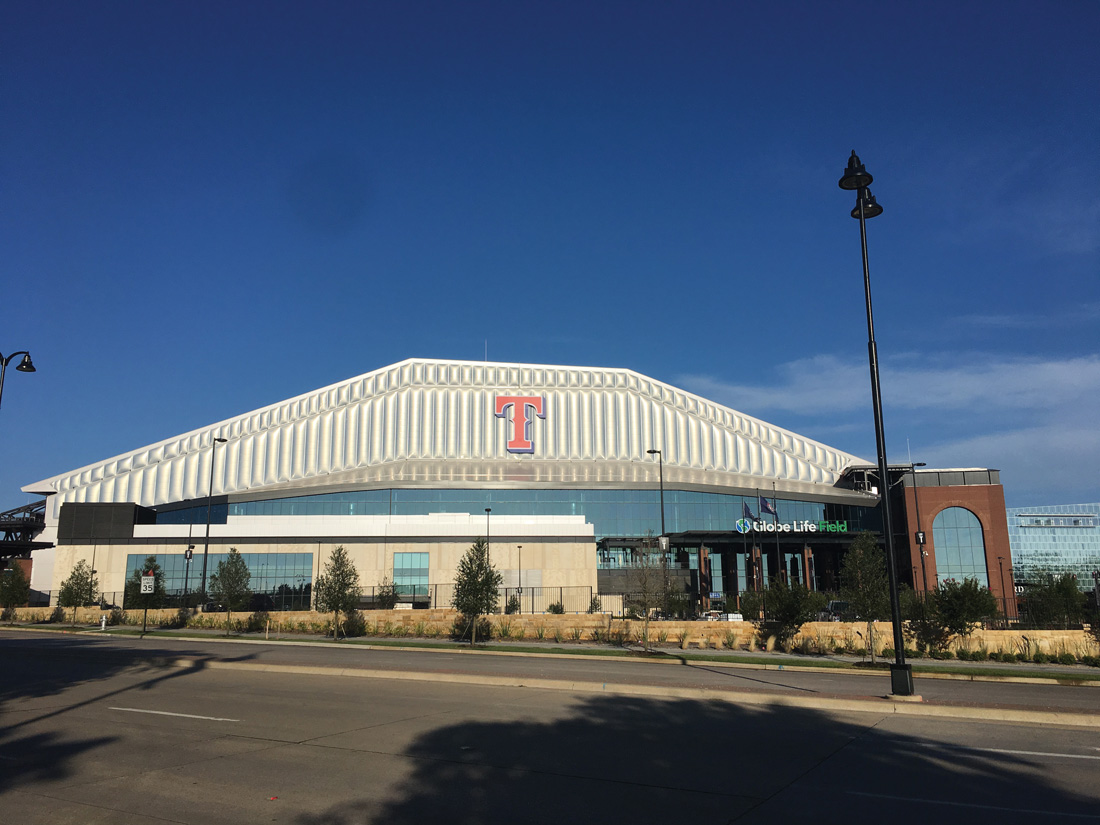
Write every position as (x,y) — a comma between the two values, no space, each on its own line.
(504,629)
(662,637)
(979,655)
(557,608)
(513,605)
(942,654)
(1008,656)
(729,639)
(116,616)
(594,606)
(1067,659)
(576,633)
(355,624)
(1040,658)
(257,621)
(913,653)
(540,632)
(58,615)
(1091,661)
(962,655)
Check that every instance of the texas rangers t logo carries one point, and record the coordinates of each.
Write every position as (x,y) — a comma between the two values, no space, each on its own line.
(520,442)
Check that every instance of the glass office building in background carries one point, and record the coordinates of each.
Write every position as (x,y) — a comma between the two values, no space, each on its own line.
(1059,538)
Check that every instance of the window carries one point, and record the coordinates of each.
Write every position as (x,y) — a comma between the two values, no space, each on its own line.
(959,545)
(410,573)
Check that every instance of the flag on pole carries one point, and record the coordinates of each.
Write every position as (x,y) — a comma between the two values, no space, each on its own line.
(766,507)
(746,512)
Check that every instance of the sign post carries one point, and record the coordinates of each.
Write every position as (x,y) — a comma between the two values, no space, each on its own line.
(148,586)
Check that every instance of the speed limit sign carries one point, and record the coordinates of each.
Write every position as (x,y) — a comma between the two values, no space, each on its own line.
(147,582)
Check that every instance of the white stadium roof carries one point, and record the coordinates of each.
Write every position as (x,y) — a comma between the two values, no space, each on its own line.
(433,423)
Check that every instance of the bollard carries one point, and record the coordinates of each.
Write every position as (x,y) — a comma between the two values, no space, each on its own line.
(103,622)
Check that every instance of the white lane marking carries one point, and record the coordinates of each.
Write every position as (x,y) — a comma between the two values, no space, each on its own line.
(1044,813)
(185,715)
(1011,752)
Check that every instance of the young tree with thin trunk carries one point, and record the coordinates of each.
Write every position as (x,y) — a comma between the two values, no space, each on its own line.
(230,584)
(476,586)
(15,589)
(864,583)
(80,589)
(649,576)
(337,589)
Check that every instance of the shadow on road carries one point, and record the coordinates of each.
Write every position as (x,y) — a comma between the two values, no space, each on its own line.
(641,760)
(37,668)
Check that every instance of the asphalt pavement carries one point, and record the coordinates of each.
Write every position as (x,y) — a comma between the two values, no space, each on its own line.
(783,680)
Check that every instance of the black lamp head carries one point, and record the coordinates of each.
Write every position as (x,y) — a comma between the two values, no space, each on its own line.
(855,176)
(25,365)
(871,209)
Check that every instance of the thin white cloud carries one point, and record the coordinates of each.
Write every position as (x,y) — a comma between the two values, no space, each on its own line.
(1032,418)
(957,382)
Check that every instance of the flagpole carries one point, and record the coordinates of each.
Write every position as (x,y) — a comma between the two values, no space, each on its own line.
(780,567)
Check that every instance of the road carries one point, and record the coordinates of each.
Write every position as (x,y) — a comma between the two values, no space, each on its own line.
(93,735)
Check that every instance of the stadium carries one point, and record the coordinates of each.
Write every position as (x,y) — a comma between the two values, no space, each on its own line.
(566,471)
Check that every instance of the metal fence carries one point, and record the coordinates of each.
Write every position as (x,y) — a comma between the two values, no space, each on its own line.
(576,599)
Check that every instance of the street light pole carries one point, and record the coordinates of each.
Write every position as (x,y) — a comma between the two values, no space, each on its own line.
(24,366)
(487,511)
(1004,594)
(519,547)
(919,535)
(209,501)
(857,178)
(661,476)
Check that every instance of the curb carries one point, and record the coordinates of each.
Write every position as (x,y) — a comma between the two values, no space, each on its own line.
(869,704)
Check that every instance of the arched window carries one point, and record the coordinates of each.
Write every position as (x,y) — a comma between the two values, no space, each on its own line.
(960,546)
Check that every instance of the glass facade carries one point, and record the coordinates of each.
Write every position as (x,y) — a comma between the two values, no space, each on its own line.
(410,573)
(1063,538)
(959,546)
(614,513)
(280,581)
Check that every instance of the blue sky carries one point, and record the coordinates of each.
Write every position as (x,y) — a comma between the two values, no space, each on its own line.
(208,208)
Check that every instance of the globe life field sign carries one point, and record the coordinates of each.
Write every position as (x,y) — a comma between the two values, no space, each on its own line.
(745,525)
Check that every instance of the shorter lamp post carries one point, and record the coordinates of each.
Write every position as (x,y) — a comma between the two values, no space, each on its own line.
(519,547)
(661,477)
(24,366)
(209,503)
(1004,593)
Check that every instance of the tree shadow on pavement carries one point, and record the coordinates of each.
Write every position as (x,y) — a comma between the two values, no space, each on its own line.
(37,674)
(635,760)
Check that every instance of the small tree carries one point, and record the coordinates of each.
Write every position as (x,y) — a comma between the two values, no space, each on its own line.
(923,623)
(81,588)
(337,589)
(229,584)
(476,586)
(961,606)
(782,609)
(864,583)
(133,597)
(15,589)
(649,578)
(387,594)
(1055,601)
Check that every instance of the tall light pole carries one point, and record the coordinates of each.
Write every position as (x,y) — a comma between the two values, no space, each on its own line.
(857,178)
(919,533)
(209,501)
(519,547)
(24,366)
(661,476)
